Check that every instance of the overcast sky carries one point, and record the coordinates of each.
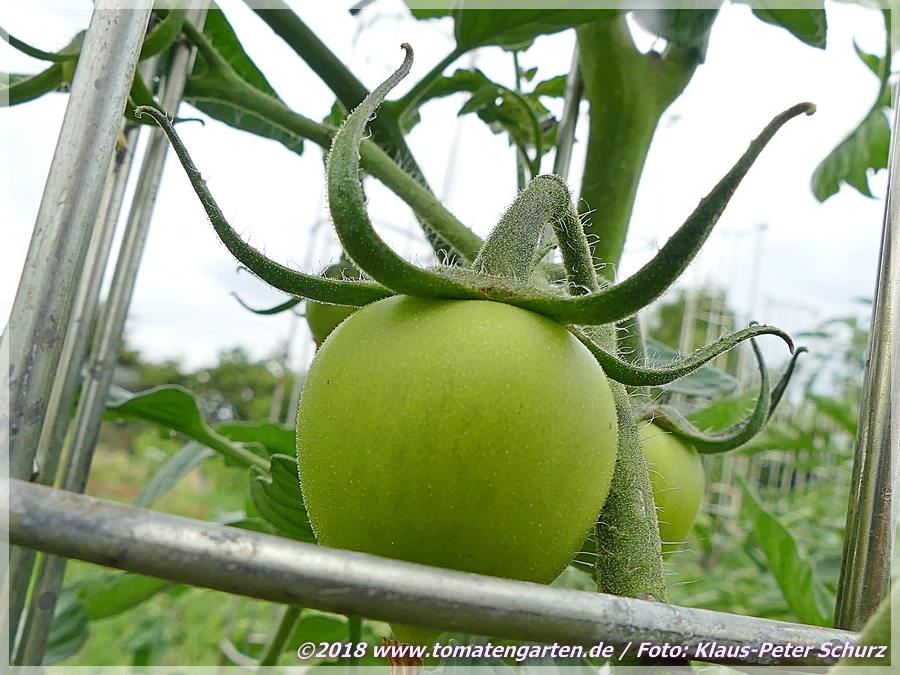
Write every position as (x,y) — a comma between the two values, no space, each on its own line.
(816,258)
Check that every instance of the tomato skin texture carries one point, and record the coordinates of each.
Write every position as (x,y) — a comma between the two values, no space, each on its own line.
(322,319)
(468,435)
(678,483)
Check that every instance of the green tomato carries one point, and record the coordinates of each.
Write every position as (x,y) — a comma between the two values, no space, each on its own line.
(468,435)
(322,318)
(678,483)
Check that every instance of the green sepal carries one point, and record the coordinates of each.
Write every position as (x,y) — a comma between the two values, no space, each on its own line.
(354,293)
(512,248)
(626,298)
(277,309)
(716,442)
(635,375)
(347,205)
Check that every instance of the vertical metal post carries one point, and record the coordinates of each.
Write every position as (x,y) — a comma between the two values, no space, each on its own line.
(74,350)
(99,370)
(565,136)
(68,210)
(872,517)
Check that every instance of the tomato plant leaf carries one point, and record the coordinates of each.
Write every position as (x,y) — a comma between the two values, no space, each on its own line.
(176,408)
(866,147)
(204,86)
(840,411)
(69,630)
(29,87)
(67,53)
(189,457)
(809,24)
(686,27)
(528,123)
(789,563)
(110,593)
(276,495)
(275,438)
(164,33)
(510,27)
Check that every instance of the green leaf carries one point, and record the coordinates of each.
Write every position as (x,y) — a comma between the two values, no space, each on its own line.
(110,593)
(679,27)
(189,457)
(275,438)
(69,631)
(176,408)
(527,122)
(510,27)
(864,149)
(722,413)
(31,87)
(68,53)
(555,87)
(164,33)
(789,564)
(841,411)
(203,87)
(276,495)
(809,25)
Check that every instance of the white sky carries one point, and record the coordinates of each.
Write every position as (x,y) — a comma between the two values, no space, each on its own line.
(816,258)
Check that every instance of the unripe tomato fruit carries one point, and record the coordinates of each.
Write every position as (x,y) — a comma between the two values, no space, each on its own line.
(678,483)
(322,318)
(469,435)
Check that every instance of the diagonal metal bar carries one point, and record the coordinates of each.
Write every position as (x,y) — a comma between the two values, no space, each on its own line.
(75,347)
(565,136)
(99,369)
(291,572)
(872,512)
(72,195)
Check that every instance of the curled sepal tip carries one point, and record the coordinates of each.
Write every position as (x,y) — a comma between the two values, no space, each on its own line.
(708,443)
(347,204)
(647,284)
(355,293)
(780,388)
(638,376)
(277,309)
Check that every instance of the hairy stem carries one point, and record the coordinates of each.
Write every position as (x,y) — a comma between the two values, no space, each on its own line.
(281,277)
(224,85)
(347,204)
(628,92)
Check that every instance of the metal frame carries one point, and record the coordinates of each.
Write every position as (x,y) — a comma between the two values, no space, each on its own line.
(63,523)
(291,572)
(872,514)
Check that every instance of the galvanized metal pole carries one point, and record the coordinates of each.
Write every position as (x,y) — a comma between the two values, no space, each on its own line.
(99,369)
(565,135)
(872,516)
(282,570)
(43,304)
(75,346)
